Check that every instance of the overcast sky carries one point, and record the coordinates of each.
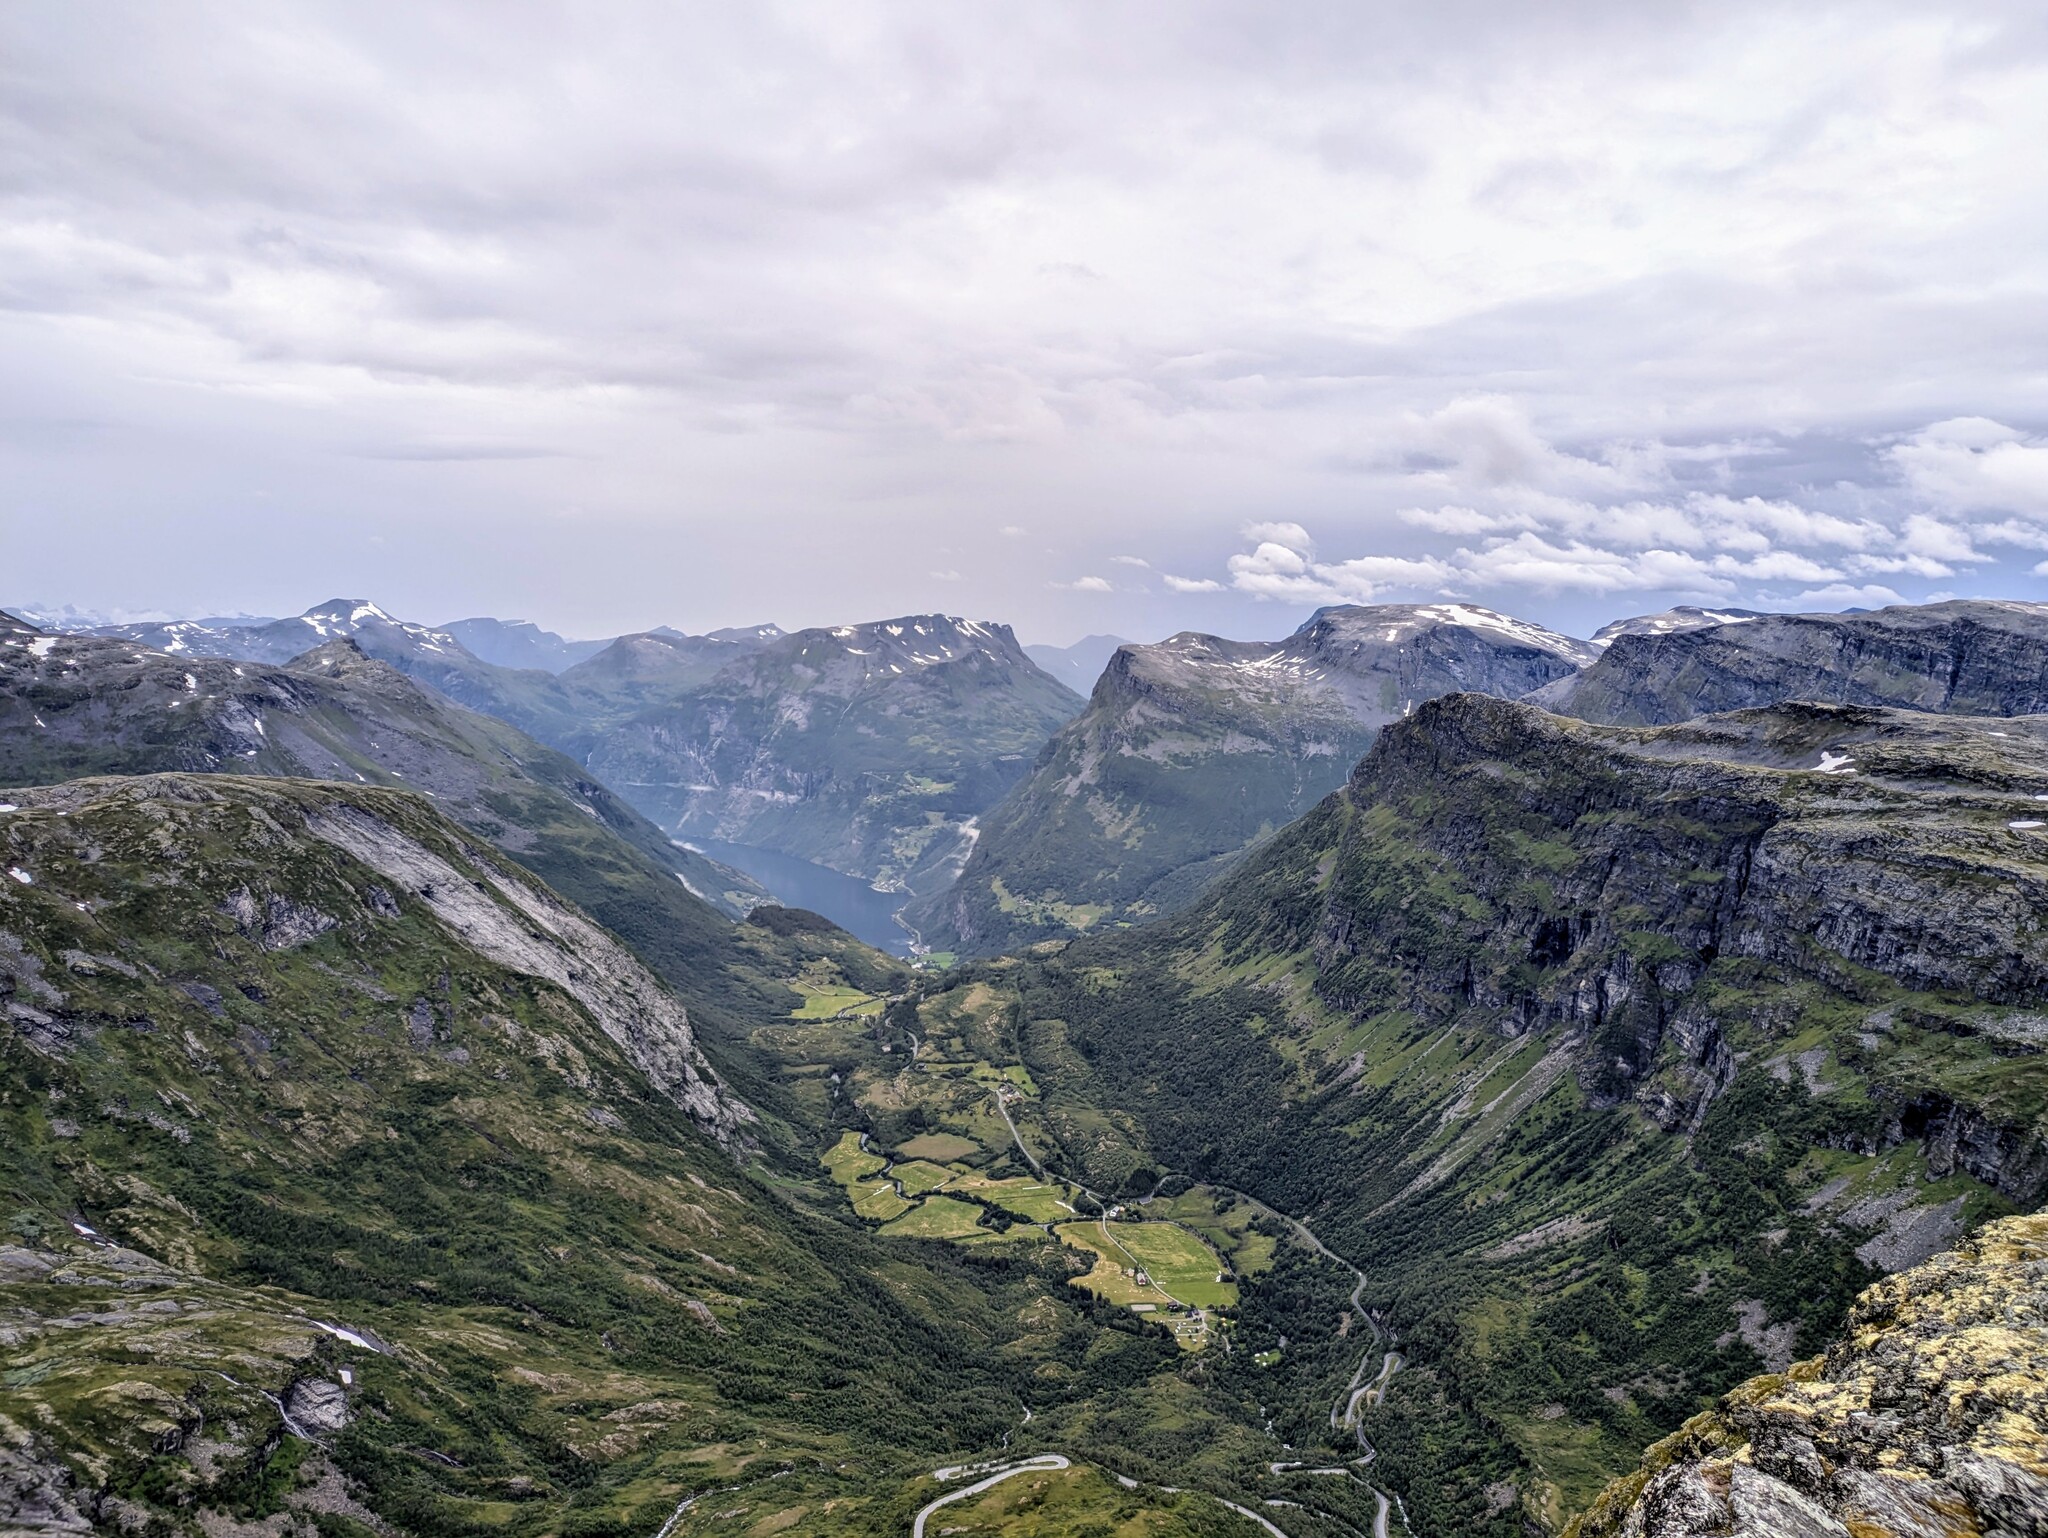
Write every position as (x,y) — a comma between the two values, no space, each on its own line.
(1098,317)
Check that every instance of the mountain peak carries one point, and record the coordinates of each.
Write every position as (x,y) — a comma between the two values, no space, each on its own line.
(1392,623)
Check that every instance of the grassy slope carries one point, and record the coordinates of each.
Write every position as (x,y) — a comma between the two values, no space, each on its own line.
(590,1310)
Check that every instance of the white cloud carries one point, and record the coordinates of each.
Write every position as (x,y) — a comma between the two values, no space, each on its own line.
(1131,560)
(944,576)
(1193,584)
(1547,280)
(1973,464)
(1087,585)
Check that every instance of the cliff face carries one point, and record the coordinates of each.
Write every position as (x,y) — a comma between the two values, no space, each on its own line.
(1196,747)
(1931,1417)
(1976,657)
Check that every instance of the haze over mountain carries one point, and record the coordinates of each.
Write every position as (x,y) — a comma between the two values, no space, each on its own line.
(1079,665)
(866,748)
(1193,748)
(520,644)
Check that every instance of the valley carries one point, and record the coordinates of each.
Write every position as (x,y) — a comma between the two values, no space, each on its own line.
(407,1133)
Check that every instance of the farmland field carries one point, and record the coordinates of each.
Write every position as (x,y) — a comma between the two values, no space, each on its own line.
(920,1176)
(938,1217)
(1177,1261)
(1108,1279)
(849,1162)
(939,1147)
(878,1201)
(1028,1198)
(829,1002)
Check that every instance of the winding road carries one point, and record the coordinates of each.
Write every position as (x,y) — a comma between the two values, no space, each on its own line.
(1358,1396)
(1044,1463)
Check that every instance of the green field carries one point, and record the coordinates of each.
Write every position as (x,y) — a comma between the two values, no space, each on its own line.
(1177,1261)
(920,1176)
(939,1147)
(1111,1277)
(878,1201)
(938,1217)
(854,1168)
(1021,1194)
(848,1162)
(829,1002)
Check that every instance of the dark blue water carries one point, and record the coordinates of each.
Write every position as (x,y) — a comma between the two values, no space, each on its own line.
(846,900)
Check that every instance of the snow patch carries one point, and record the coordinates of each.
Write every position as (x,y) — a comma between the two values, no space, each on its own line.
(21,875)
(1834,763)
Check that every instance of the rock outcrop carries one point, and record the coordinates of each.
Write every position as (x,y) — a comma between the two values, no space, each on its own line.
(1930,1418)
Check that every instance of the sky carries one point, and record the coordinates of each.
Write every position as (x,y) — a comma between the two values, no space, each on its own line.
(1104,317)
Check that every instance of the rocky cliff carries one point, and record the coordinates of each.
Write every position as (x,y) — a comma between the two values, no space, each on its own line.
(1978,657)
(1193,748)
(1930,1417)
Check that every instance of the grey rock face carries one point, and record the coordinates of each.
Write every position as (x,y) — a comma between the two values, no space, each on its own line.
(316,1404)
(1979,657)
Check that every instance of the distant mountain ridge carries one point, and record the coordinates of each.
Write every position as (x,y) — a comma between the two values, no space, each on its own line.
(1079,665)
(867,748)
(518,643)
(1684,617)
(1193,748)
(1964,656)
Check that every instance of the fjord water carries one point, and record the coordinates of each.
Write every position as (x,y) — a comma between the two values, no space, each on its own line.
(846,900)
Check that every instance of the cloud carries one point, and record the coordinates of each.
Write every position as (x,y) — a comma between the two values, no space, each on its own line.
(1087,585)
(944,576)
(1477,293)
(1131,560)
(1192,584)
(1973,464)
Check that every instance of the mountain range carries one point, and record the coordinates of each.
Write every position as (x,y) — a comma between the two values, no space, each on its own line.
(1192,749)
(1424,1072)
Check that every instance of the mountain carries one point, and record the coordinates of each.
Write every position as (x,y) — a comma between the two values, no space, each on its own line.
(530,698)
(1972,657)
(1079,665)
(1685,617)
(866,748)
(518,643)
(75,705)
(1929,1416)
(745,635)
(1196,747)
(1617,1061)
(635,672)
(356,1183)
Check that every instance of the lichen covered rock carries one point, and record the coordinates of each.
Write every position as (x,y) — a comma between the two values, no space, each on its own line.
(1930,1419)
